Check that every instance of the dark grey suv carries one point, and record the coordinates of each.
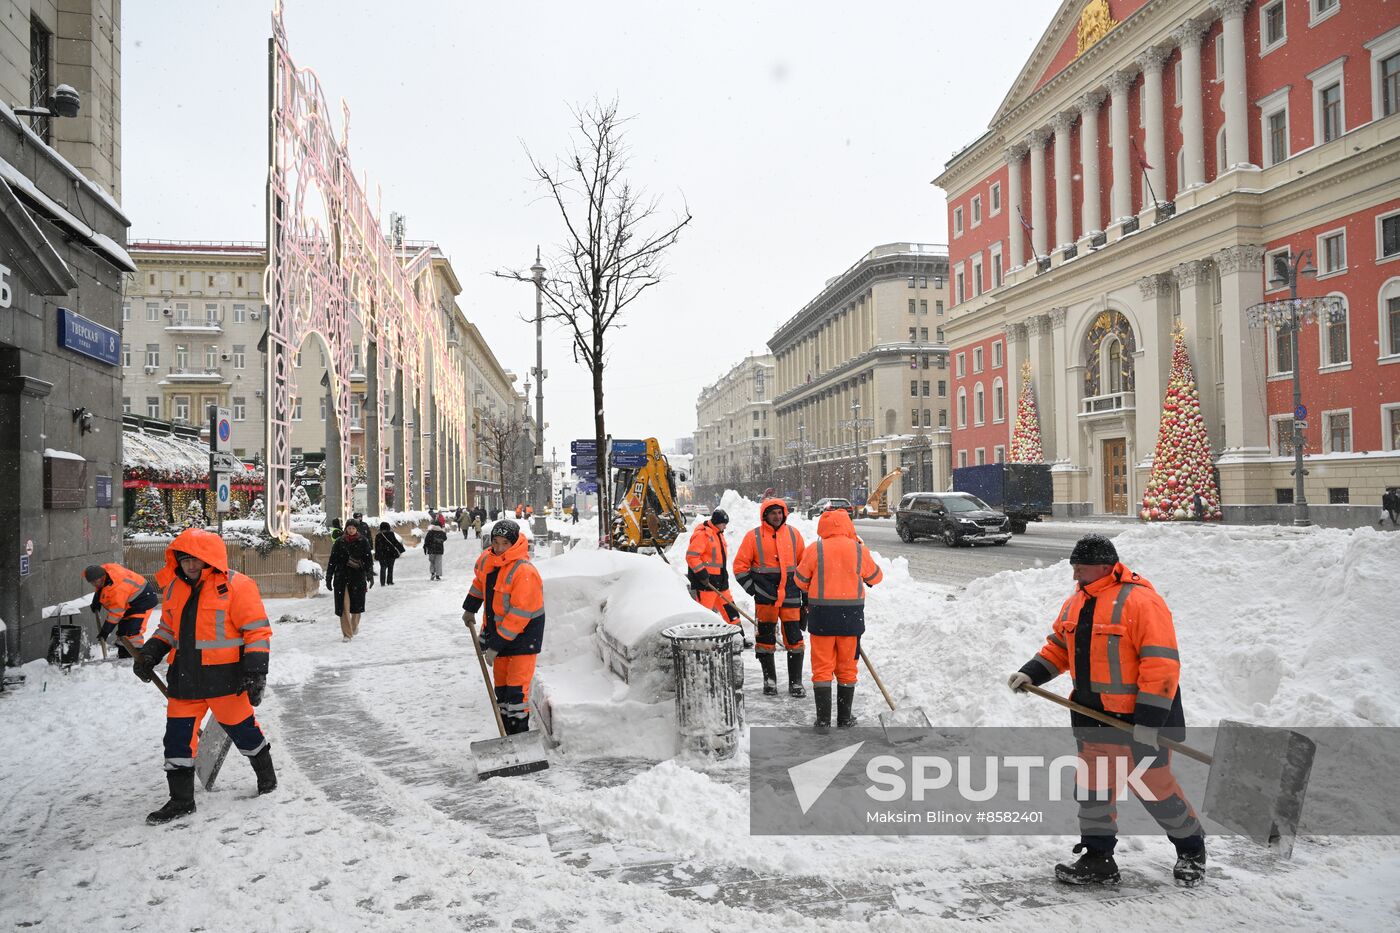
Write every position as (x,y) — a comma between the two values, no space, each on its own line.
(952,517)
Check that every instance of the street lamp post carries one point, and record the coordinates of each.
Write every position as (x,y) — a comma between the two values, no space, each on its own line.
(1290,314)
(857,422)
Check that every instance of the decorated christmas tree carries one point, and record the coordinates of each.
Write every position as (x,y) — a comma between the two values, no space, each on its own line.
(1182,467)
(1025,436)
(194,513)
(149,515)
(301,502)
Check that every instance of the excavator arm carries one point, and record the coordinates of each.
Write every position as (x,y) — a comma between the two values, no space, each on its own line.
(646,514)
(879,506)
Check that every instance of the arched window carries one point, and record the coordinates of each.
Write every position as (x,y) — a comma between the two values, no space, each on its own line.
(979,404)
(1112,357)
(1334,336)
(998,400)
(1108,345)
(962,408)
(1389,305)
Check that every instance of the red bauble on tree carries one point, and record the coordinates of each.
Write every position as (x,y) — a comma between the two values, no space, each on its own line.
(1182,484)
(1025,436)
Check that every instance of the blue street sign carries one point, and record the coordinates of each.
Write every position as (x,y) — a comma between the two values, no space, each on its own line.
(629,447)
(24,565)
(588,488)
(89,338)
(583,460)
(629,461)
(583,445)
(1301,412)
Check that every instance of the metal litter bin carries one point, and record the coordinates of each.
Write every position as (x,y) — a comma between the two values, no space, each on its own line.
(68,644)
(709,674)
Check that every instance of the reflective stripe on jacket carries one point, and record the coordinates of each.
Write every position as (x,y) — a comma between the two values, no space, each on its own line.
(126,594)
(707,554)
(834,572)
(766,563)
(510,588)
(1133,662)
(231,633)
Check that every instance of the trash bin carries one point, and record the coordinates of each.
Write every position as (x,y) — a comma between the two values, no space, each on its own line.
(67,644)
(709,674)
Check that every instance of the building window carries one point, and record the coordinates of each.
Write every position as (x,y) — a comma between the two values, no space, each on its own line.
(997,275)
(126,311)
(924,388)
(152,406)
(1220,55)
(126,356)
(958,291)
(1388,84)
(1390,426)
(1283,496)
(923,306)
(152,311)
(913,417)
(1283,436)
(961,369)
(1337,431)
(1273,27)
(962,458)
(913,334)
(1321,9)
(912,306)
(1336,350)
(942,388)
(153,355)
(1338,495)
(126,404)
(999,453)
(1220,166)
(923,281)
(912,280)
(239,355)
(1329,103)
(914,388)
(977,360)
(180,408)
(211,313)
(939,332)
(957,221)
(976,210)
(928,418)
(40,76)
(1388,236)
(977,274)
(1275,136)
(211,356)
(938,305)
(182,357)
(296,408)
(979,405)
(923,333)
(240,408)
(1283,352)
(962,408)
(981,456)
(996,355)
(1390,318)
(995,199)
(923,361)
(240,313)
(943,417)
(1276,268)
(1332,253)
(182,311)
(998,401)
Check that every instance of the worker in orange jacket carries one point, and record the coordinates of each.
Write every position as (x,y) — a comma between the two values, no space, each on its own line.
(510,589)
(707,566)
(765,566)
(1116,638)
(122,600)
(215,630)
(834,573)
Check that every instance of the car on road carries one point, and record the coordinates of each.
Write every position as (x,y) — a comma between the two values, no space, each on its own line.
(824,505)
(952,517)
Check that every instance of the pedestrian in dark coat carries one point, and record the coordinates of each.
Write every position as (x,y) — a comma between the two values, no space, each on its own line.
(434,543)
(348,575)
(387,548)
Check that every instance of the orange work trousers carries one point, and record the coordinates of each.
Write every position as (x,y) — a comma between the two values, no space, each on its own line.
(834,654)
(233,712)
(774,623)
(512,674)
(716,602)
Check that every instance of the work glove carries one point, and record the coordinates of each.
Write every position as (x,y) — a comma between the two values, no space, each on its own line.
(469,620)
(253,685)
(490,655)
(143,665)
(731,613)
(1145,735)
(329,584)
(1018,680)
(369,582)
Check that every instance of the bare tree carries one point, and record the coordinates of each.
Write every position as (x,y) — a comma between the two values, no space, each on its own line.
(500,435)
(611,254)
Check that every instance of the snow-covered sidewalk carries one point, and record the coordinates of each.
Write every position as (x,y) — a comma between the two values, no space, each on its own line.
(379,822)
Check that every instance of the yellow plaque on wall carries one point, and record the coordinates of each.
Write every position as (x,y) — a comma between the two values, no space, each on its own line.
(1094,23)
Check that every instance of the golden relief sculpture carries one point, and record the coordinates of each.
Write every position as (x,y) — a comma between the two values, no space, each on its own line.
(1094,23)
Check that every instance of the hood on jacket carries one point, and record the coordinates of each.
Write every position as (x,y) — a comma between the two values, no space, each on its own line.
(195,542)
(768,504)
(836,523)
(1119,574)
(520,550)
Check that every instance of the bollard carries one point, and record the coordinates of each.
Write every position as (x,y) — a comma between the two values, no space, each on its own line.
(709,699)
(556,548)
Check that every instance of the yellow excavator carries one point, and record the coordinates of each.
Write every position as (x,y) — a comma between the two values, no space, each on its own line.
(879,504)
(646,514)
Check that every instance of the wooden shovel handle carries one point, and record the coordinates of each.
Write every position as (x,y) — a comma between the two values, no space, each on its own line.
(486,677)
(729,602)
(1107,720)
(878,682)
(135,652)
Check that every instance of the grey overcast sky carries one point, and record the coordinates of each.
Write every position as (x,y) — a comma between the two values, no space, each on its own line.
(799,134)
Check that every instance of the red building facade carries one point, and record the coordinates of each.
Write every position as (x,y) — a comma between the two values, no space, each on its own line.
(1153,165)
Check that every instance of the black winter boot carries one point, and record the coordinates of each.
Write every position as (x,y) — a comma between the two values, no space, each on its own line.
(262,767)
(795,674)
(770,673)
(181,802)
(1090,868)
(1190,868)
(845,696)
(822,693)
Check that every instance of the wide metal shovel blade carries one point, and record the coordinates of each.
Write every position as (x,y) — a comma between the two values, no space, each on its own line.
(905,724)
(1257,782)
(510,755)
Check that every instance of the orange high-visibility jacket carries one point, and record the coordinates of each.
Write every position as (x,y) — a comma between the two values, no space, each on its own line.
(707,555)
(1133,661)
(766,563)
(513,593)
(216,627)
(834,572)
(127,595)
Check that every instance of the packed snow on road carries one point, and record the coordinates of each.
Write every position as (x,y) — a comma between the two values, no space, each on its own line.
(380,823)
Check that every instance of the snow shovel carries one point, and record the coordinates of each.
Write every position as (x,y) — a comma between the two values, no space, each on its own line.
(735,606)
(900,725)
(509,755)
(1258,774)
(214,743)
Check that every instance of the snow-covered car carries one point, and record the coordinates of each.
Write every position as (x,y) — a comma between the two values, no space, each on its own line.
(953,517)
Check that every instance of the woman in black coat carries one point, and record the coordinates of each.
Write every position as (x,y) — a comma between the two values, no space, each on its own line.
(349,574)
(387,548)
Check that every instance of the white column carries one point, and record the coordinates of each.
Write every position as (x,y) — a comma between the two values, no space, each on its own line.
(1015,232)
(1066,395)
(1039,235)
(1151,62)
(1235,99)
(1089,220)
(1188,37)
(1118,85)
(1245,410)
(1064,185)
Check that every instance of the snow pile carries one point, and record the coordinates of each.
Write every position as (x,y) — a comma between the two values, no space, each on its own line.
(310,568)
